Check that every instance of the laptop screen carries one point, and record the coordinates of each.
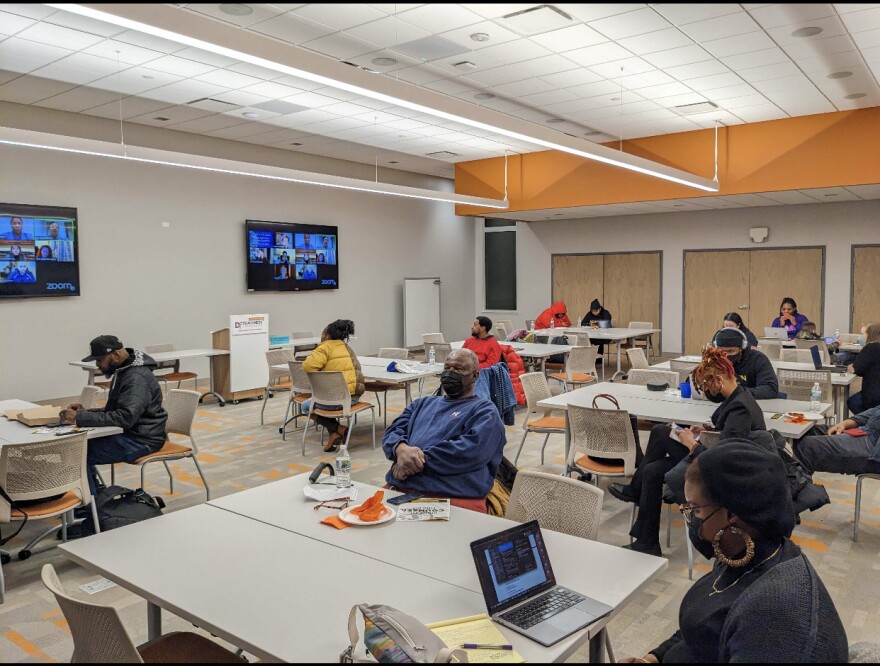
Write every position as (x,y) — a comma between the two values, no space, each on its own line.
(817,358)
(512,565)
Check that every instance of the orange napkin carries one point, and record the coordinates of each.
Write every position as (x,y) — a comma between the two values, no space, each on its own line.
(372,509)
(335,521)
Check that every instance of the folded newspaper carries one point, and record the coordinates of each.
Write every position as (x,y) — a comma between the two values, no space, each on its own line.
(424,508)
(328,494)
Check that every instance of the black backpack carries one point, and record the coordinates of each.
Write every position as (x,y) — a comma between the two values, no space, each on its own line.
(118,506)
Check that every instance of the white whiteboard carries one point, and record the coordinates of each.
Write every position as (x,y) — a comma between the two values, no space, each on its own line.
(421,309)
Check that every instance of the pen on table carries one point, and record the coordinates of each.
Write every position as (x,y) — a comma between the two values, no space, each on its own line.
(477,646)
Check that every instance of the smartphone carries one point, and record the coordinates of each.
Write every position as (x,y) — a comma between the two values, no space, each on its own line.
(776,416)
(403,499)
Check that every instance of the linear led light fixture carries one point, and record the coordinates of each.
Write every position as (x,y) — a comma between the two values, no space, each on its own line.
(77,146)
(598,152)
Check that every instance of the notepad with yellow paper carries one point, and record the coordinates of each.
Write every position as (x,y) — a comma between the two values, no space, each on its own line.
(476,629)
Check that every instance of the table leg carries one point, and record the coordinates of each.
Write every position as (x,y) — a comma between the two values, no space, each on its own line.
(408,392)
(543,362)
(154,621)
(213,392)
(597,647)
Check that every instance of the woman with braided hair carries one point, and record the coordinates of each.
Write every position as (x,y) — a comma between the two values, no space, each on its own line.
(736,416)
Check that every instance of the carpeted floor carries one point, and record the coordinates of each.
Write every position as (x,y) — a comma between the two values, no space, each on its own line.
(236,453)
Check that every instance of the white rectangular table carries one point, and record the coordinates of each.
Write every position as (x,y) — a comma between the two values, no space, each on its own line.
(299,344)
(537,351)
(611,335)
(177,355)
(14,432)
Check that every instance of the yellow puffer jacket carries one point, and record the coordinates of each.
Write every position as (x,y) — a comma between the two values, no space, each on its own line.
(336,356)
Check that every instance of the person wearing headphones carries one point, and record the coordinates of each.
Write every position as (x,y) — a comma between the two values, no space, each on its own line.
(754,372)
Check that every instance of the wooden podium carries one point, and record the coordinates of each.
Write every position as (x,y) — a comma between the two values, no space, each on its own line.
(243,373)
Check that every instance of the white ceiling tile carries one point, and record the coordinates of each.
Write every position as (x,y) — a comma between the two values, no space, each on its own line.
(271,90)
(153,43)
(760,113)
(715,81)
(549,97)
(790,197)
(254,70)
(622,68)
(867,39)
(831,194)
(180,66)
(798,97)
(208,123)
(292,29)
(130,107)
(598,53)
(573,77)
(78,99)
(850,7)
(497,35)
(173,114)
(798,81)
(545,65)
(872,99)
(872,55)
(13,23)
(665,90)
(21,55)
(772,56)
(83,23)
(388,31)
(6,76)
(776,15)
(128,54)
(567,39)
(739,23)
(572,107)
(437,18)
(185,91)
(596,88)
(831,27)
(735,103)
(868,19)
(696,70)
(30,10)
(340,46)
(865,191)
(192,53)
(260,12)
(419,75)
(135,81)
(275,136)
(680,100)
(615,113)
(651,42)
(525,87)
(241,131)
(241,98)
(30,89)
(453,86)
(79,68)
(516,51)
(644,80)
(227,79)
(684,55)
(588,11)
(681,14)
(729,92)
(753,41)
(493,77)
(753,200)
(339,16)
(768,72)
(633,23)
(477,58)
(311,100)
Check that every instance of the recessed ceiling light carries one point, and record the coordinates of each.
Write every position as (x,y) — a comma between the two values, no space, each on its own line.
(250,114)
(393,162)
(615,99)
(236,10)
(856,96)
(480,36)
(833,194)
(147,76)
(484,95)
(465,66)
(295,144)
(160,118)
(592,133)
(384,62)
(839,75)
(553,121)
(807,32)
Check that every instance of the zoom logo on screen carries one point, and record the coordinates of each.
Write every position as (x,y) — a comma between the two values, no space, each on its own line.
(329,282)
(56,286)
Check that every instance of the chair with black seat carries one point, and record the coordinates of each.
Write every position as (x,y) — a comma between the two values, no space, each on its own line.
(100,637)
(330,388)
(175,375)
(383,387)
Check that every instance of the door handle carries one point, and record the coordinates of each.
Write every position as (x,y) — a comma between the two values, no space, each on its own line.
(744,306)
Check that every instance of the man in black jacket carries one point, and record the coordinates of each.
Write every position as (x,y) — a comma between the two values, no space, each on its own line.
(134,404)
(596,314)
(754,372)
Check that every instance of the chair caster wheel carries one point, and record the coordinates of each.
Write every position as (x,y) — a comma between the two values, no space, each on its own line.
(24,554)
(5,558)
(260,397)
(235,402)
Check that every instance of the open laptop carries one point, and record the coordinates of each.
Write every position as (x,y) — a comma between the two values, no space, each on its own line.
(778,333)
(521,591)
(817,362)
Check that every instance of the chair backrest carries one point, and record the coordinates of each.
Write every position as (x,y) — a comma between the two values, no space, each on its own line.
(181,406)
(709,438)
(299,335)
(530,324)
(501,332)
(44,468)
(98,633)
(556,502)
(431,338)
(772,349)
(88,397)
(580,339)
(683,368)
(798,384)
(809,344)
(394,352)
(507,324)
(850,338)
(441,351)
(796,356)
(637,358)
(644,377)
(157,349)
(536,388)
(602,433)
(278,357)
(300,382)
(641,324)
(581,360)
(329,388)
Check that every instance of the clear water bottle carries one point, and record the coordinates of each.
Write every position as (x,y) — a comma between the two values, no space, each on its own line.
(837,334)
(432,356)
(343,468)
(552,322)
(815,396)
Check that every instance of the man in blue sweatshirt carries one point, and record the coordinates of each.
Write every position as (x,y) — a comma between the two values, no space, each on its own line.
(448,446)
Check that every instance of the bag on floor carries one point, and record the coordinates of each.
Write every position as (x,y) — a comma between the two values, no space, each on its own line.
(118,506)
(393,637)
(558,358)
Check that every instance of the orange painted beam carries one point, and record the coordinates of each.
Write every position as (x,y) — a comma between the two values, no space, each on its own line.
(825,150)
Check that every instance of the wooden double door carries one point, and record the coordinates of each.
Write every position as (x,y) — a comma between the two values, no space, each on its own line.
(752,283)
(628,285)
(865,294)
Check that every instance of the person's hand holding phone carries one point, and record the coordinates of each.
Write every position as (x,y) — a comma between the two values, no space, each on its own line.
(67,416)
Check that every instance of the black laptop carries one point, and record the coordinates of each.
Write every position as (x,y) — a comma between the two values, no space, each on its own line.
(521,591)
(817,362)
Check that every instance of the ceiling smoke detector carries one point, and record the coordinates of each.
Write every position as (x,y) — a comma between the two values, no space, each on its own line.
(839,75)
(699,107)
(236,10)
(809,31)
(480,36)
(384,62)
(856,96)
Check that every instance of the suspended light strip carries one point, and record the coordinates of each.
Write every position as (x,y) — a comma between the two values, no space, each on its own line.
(599,153)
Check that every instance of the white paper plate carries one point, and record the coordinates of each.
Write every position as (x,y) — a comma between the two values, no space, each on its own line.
(347,516)
(809,416)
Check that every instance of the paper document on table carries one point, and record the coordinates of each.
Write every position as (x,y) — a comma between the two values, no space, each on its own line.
(477,629)
(330,493)
(425,508)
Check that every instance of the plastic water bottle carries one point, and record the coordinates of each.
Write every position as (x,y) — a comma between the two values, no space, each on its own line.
(432,357)
(552,322)
(343,468)
(815,396)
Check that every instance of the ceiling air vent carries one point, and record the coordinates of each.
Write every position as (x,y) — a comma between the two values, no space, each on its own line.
(535,20)
(211,104)
(443,153)
(699,107)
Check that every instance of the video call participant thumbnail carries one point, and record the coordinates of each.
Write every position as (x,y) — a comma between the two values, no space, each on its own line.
(304,242)
(305,272)
(282,240)
(280,256)
(282,271)
(328,248)
(24,272)
(19,229)
(306,257)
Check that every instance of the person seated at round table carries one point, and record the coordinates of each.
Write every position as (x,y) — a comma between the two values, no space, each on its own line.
(763,602)
(848,357)
(753,369)
(733,320)
(483,343)
(738,414)
(597,314)
(334,355)
(557,313)
(449,445)
(789,318)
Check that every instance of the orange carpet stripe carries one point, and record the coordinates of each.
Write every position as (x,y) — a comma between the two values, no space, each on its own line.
(62,624)
(810,544)
(26,646)
(819,526)
(208,458)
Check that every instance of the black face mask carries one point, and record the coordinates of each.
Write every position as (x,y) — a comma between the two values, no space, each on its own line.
(704,547)
(733,358)
(714,397)
(453,383)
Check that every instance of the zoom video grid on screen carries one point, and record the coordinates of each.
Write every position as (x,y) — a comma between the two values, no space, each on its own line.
(291,257)
(38,251)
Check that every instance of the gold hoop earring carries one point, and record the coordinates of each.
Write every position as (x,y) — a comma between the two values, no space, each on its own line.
(721,557)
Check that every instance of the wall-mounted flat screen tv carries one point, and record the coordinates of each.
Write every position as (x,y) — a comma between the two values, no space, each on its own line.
(39,251)
(282,256)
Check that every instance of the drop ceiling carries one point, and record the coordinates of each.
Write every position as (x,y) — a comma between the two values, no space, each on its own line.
(597,71)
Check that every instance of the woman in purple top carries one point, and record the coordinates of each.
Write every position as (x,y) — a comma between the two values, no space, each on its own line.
(789,318)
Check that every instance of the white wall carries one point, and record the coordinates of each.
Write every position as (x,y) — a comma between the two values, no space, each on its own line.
(836,226)
(148,284)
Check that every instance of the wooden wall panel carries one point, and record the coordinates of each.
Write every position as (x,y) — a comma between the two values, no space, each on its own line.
(775,274)
(714,283)
(633,288)
(865,295)
(577,280)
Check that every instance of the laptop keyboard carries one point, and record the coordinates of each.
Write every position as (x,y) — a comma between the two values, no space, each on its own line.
(538,610)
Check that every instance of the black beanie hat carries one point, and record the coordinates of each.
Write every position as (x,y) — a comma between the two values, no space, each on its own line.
(751,484)
(729,337)
(595,305)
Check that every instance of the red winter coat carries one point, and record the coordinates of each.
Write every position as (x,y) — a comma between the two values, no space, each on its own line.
(487,350)
(556,311)
(516,367)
